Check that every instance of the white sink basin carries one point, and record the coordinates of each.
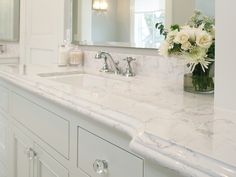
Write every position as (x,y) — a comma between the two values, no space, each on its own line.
(92,82)
(115,85)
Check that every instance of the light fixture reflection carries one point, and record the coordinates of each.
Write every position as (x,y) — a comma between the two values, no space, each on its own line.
(100,5)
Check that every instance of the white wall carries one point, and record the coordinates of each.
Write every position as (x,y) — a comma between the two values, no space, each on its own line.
(181,14)
(225,96)
(206,6)
(123,21)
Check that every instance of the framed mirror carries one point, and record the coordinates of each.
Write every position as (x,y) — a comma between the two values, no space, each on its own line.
(9,20)
(130,23)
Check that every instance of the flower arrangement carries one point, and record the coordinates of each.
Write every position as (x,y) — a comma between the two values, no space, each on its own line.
(195,43)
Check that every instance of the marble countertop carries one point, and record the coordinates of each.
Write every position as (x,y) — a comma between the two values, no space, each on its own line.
(178,130)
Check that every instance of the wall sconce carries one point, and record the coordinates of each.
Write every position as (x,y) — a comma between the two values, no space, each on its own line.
(100,5)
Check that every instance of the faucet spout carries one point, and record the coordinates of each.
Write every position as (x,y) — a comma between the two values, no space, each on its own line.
(105,56)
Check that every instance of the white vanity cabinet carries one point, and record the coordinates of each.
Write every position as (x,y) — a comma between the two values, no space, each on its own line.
(49,140)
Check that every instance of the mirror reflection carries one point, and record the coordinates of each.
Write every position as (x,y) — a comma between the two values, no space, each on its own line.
(130,23)
(9,20)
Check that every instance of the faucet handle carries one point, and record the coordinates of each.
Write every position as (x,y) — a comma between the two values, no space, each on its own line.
(129,71)
(129,59)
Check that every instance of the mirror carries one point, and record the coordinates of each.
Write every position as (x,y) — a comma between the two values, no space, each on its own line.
(9,20)
(130,23)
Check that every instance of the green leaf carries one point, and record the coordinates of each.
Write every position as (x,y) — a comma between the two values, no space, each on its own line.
(175,27)
(162,29)
(211,51)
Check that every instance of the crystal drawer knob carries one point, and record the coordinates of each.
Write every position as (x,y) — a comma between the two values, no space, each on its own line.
(100,166)
(30,153)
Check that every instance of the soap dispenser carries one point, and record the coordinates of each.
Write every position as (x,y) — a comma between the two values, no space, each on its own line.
(76,57)
(63,57)
(64,51)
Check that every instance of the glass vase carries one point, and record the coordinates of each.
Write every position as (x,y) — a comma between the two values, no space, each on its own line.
(199,81)
(198,84)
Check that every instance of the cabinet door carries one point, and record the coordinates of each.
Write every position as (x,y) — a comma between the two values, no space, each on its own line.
(21,161)
(46,166)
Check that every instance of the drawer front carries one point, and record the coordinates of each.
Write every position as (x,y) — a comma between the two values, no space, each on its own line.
(4,96)
(94,152)
(49,127)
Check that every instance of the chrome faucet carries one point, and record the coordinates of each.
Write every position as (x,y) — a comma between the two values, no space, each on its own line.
(105,55)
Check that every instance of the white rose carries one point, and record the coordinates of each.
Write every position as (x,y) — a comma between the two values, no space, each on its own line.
(182,37)
(186,46)
(204,39)
(191,32)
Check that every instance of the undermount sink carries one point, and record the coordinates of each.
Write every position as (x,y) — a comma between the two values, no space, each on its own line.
(105,84)
(92,82)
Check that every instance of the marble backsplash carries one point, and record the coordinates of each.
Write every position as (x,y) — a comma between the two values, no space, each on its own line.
(170,69)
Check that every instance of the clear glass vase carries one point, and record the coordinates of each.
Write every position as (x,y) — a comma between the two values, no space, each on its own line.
(198,83)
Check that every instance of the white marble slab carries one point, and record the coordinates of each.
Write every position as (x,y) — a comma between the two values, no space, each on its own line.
(179,130)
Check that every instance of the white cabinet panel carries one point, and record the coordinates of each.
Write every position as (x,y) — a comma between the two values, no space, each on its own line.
(20,163)
(30,160)
(4,96)
(120,163)
(51,128)
(3,170)
(46,166)
(3,130)
(3,139)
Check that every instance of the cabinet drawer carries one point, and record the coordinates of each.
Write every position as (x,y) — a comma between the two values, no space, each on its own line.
(49,127)
(4,96)
(93,152)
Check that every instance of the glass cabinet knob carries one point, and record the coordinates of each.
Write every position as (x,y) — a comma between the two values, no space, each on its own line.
(31,154)
(100,166)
